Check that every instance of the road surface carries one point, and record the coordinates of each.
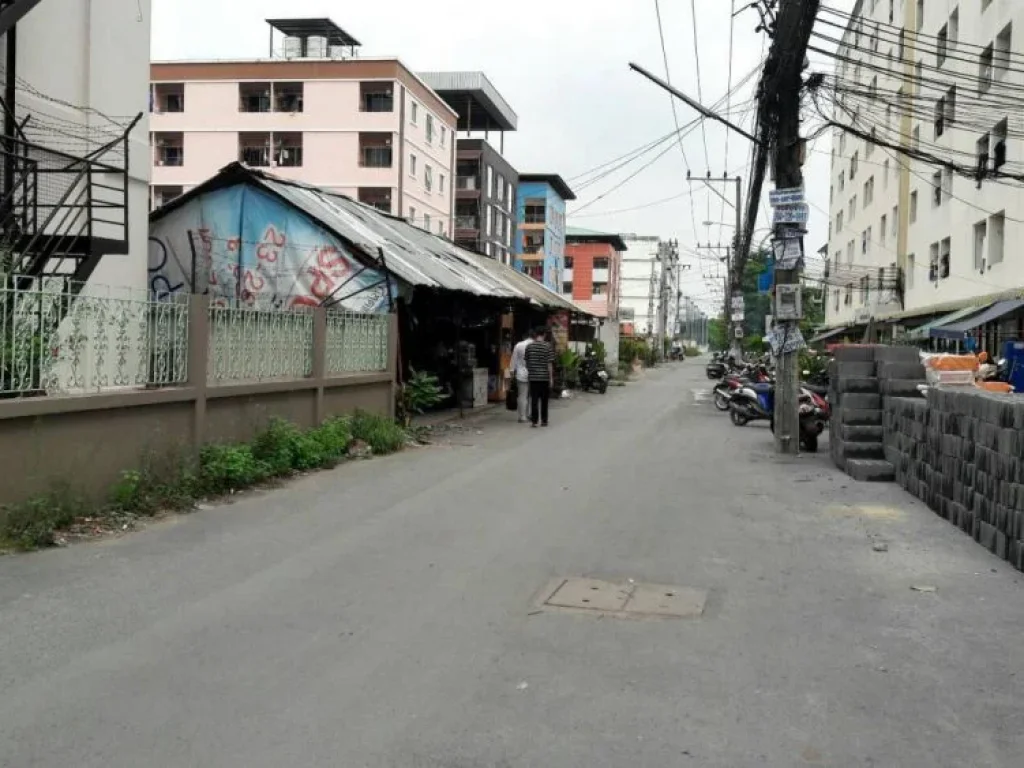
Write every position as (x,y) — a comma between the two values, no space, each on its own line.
(384,614)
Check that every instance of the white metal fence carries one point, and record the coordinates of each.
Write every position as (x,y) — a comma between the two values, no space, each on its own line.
(256,345)
(61,338)
(356,342)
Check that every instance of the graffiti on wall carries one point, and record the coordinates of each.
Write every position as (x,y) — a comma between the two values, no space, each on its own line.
(244,247)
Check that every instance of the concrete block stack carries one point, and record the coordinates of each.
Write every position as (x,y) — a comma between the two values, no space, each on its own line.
(962,453)
(861,378)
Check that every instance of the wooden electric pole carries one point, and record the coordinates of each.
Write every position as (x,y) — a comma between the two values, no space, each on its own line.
(781,94)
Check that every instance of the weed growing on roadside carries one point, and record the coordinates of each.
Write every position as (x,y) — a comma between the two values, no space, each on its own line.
(379,432)
(33,523)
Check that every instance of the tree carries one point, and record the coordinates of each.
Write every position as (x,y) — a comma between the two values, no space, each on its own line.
(718,335)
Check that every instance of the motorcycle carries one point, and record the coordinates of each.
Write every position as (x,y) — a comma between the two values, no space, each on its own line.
(592,375)
(716,367)
(733,382)
(813,414)
(752,402)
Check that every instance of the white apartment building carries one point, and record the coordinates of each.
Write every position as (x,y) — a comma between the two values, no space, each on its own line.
(933,76)
(639,284)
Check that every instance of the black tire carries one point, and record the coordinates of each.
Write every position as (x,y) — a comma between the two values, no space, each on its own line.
(771,423)
(721,401)
(602,386)
(738,418)
(811,443)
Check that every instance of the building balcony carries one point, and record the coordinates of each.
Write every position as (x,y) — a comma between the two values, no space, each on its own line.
(467,184)
(467,223)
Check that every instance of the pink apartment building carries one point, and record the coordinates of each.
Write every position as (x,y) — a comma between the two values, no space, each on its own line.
(367,128)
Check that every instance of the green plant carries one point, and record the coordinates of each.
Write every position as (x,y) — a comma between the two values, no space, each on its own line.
(569,362)
(379,432)
(333,438)
(33,523)
(598,349)
(227,468)
(420,392)
(277,446)
(691,351)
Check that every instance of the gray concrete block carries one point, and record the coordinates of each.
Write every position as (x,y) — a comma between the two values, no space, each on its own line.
(837,368)
(862,450)
(857,384)
(849,353)
(900,388)
(865,418)
(860,401)
(900,370)
(897,354)
(852,433)
(870,470)
(987,536)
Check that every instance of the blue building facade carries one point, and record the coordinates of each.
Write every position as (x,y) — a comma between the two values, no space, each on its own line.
(540,237)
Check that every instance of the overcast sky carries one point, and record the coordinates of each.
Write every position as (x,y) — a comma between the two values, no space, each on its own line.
(563,66)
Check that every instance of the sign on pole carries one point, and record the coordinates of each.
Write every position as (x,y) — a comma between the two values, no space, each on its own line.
(788,196)
(792,213)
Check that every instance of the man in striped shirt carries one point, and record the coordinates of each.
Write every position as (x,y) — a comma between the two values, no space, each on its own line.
(540,368)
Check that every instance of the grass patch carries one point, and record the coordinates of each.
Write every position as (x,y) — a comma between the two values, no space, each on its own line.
(278,451)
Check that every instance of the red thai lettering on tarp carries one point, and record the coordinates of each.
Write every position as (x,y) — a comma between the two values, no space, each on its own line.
(270,247)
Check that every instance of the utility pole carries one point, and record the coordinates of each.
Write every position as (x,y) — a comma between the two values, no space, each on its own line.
(780,106)
(668,255)
(735,264)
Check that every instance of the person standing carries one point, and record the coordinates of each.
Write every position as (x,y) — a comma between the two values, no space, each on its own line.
(540,367)
(521,377)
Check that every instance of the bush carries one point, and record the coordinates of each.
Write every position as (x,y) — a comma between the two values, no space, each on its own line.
(32,524)
(637,349)
(277,447)
(420,392)
(227,468)
(379,432)
(599,351)
(691,351)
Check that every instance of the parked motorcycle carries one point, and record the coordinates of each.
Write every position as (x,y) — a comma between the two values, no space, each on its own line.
(592,375)
(752,402)
(813,415)
(717,367)
(733,382)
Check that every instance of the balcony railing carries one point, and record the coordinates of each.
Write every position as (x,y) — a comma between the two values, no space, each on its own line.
(532,217)
(467,183)
(467,222)
(375,157)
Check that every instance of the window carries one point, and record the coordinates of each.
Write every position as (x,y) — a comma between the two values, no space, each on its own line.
(842,143)
(913,206)
(883,230)
(920,15)
(996,233)
(376,97)
(534,211)
(254,149)
(440,183)
(895,219)
(853,166)
(999,144)
(916,137)
(412,165)
(490,182)
(601,262)
(848,298)
(600,289)
(567,288)
(168,97)
(444,135)
(288,97)
(375,150)
(936,189)
(980,235)
(169,149)
(500,188)
(288,150)
(944,248)
(568,262)
(954,28)
(933,262)
(842,180)
(839,222)
(869,191)
(985,69)
(412,215)
(911,269)
(426,221)
(428,178)
(440,228)
(162,195)
(865,241)
(941,42)
(254,97)
(1001,54)
(940,116)
(982,157)
(414,113)
(429,128)
(853,208)
(849,251)
(377,197)
(947,183)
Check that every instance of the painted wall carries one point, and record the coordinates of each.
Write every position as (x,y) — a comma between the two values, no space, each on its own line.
(93,54)
(252,249)
(635,280)
(583,275)
(554,230)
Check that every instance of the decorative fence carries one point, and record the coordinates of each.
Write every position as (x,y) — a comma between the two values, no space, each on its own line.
(256,345)
(57,338)
(356,342)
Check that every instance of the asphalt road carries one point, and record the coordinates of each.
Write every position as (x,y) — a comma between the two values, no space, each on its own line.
(383,614)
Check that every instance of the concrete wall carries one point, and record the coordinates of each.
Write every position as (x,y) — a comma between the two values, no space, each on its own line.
(961,451)
(88,441)
(635,280)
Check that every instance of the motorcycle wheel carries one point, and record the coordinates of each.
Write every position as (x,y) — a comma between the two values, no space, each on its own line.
(811,443)
(739,419)
(602,386)
(721,401)
(771,423)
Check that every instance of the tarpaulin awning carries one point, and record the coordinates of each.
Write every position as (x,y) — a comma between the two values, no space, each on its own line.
(829,334)
(960,329)
(922,332)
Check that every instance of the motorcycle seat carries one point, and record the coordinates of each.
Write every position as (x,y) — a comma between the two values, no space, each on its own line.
(815,388)
(760,388)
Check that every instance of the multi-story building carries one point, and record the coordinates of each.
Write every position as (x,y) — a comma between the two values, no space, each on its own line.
(485,182)
(591,275)
(74,176)
(912,238)
(640,285)
(540,212)
(367,128)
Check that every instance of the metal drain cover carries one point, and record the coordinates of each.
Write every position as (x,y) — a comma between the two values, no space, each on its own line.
(628,600)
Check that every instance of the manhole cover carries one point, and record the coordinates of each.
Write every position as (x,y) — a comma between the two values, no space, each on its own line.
(629,599)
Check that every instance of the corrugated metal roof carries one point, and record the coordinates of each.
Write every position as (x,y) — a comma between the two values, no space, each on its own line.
(412,254)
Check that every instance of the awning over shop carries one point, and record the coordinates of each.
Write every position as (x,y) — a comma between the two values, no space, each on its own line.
(959,330)
(835,332)
(922,332)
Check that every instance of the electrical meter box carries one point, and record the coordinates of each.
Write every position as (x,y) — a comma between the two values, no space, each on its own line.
(738,332)
(788,305)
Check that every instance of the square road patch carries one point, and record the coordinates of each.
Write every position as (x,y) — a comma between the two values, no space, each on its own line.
(625,599)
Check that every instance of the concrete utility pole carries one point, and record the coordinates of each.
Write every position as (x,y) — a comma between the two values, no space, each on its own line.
(781,104)
(734,265)
(668,255)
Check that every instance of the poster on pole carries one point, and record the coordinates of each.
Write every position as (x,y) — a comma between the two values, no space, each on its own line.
(737,304)
(789,253)
(787,196)
(793,213)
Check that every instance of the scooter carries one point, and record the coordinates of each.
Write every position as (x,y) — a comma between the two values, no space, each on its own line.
(733,382)
(752,402)
(813,414)
(592,375)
